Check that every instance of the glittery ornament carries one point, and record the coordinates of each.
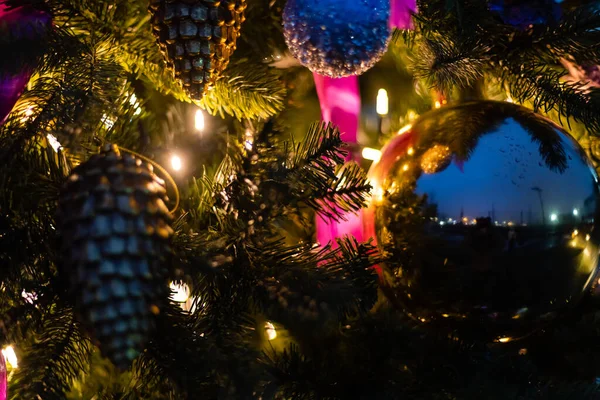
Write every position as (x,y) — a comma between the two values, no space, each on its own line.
(197,38)
(23,25)
(525,13)
(337,38)
(486,213)
(115,231)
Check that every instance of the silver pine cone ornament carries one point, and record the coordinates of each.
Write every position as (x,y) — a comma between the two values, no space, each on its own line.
(115,233)
(197,38)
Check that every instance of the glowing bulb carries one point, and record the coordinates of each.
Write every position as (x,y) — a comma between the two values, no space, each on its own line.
(405,129)
(382,102)
(176,162)
(108,121)
(575,212)
(587,238)
(438,104)
(553,217)
(405,167)
(371,154)
(271,332)
(504,339)
(199,120)
(11,357)
(575,233)
(411,151)
(180,292)
(53,142)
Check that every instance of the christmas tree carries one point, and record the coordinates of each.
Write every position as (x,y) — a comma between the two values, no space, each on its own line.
(186,212)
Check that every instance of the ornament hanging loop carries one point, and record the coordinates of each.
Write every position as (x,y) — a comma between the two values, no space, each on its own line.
(163,171)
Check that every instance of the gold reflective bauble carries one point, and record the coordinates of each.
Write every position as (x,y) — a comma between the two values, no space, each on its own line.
(486,212)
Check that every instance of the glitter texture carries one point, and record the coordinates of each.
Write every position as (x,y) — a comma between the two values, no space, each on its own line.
(337,38)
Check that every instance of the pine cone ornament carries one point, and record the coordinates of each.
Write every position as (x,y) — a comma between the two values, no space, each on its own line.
(115,231)
(197,38)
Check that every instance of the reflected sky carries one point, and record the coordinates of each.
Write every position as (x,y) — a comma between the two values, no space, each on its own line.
(515,169)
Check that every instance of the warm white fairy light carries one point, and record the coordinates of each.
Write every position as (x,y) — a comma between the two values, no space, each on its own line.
(382,102)
(371,154)
(108,121)
(53,142)
(10,356)
(176,162)
(180,292)
(29,297)
(199,120)
(271,332)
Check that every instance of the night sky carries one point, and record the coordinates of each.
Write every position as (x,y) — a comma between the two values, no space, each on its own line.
(501,171)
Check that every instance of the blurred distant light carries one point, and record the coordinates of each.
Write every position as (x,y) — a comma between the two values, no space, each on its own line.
(199,120)
(442,223)
(575,233)
(271,332)
(371,154)
(382,102)
(411,151)
(575,212)
(553,217)
(587,238)
(438,104)
(404,129)
(10,356)
(176,162)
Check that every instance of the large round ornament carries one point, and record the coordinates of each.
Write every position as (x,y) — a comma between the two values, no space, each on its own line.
(337,38)
(486,212)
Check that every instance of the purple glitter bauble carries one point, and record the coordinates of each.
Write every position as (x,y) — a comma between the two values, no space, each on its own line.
(337,38)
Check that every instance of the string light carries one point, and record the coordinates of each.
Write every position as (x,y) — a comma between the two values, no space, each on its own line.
(53,142)
(371,154)
(176,162)
(504,339)
(10,356)
(199,120)
(382,102)
(553,217)
(180,292)
(270,330)
(438,104)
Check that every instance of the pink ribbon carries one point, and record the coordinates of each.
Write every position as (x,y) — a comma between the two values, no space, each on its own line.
(3,379)
(340,105)
(401,12)
(28,21)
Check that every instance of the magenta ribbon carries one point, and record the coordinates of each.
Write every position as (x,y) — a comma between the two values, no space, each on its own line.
(340,105)
(400,13)
(3,379)
(12,86)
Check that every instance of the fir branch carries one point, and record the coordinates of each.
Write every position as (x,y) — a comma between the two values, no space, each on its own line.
(251,92)
(53,360)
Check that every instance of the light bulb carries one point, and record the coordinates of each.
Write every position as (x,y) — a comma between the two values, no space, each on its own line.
(176,162)
(11,357)
(199,120)
(270,329)
(382,102)
(371,154)
(180,292)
